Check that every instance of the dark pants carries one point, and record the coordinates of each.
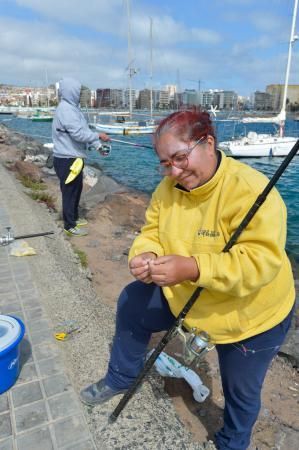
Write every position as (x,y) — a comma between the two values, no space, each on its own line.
(143,309)
(71,192)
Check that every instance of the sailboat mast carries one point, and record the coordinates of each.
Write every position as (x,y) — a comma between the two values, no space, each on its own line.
(151,67)
(130,69)
(47,87)
(293,38)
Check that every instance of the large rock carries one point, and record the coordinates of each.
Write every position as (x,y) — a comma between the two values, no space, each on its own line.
(32,150)
(28,170)
(99,191)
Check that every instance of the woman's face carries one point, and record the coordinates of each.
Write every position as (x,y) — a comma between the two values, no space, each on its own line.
(201,164)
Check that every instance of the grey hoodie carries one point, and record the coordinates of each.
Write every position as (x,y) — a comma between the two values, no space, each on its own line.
(70,131)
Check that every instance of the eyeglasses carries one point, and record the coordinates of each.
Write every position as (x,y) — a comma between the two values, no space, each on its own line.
(178,160)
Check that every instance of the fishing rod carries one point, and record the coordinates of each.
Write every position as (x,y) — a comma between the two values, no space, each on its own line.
(9,238)
(177,326)
(133,144)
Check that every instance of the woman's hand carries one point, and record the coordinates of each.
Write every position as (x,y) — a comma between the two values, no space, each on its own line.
(139,266)
(173,269)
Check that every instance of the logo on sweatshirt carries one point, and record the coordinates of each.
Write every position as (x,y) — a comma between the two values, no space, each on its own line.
(208,233)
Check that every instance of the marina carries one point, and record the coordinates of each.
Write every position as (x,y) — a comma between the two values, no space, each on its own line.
(136,167)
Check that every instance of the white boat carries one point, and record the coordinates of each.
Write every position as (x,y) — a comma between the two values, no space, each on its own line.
(121,125)
(125,128)
(257,145)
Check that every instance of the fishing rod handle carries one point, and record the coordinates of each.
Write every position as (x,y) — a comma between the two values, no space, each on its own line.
(147,367)
(26,236)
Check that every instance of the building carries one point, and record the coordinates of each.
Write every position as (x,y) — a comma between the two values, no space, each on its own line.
(164,100)
(93,99)
(126,98)
(109,98)
(190,97)
(144,99)
(85,97)
(172,89)
(277,90)
(263,101)
(225,99)
(103,98)
(206,99)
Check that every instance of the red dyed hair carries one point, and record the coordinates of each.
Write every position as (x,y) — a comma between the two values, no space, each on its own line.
(186,125)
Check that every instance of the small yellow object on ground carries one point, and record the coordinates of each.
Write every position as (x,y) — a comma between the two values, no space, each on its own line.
(21,248)
(63,336)
(75,169)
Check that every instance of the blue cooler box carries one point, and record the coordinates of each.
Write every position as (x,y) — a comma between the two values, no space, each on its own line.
(12,331)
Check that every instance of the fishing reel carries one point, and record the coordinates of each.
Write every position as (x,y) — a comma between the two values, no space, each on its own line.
(6,239)
(195,345)
(105,149)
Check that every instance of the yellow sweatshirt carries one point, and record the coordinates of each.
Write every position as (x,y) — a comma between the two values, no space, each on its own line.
(247,290)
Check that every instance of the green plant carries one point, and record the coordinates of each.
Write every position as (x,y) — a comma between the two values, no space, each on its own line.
(31,184)
(82,257)
(43,197)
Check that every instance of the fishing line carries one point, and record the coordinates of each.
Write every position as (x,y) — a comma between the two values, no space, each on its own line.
(133,144)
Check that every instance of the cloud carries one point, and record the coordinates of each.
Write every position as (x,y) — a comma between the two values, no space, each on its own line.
(111,17)
(99,15)
(89,41)
(27,51)
(266,22)
(100,59)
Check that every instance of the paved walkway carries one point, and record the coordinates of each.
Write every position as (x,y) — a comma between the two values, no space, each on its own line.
(41,411)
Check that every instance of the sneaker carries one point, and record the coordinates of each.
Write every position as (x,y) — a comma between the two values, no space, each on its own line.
(81,223)
(76,231)
(98,393)
(209,445)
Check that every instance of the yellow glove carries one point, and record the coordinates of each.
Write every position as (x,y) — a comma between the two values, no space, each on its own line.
(75,169)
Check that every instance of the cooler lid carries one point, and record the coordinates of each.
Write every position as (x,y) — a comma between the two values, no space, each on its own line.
(10,330)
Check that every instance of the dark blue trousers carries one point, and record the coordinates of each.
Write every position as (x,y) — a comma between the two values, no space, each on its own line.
(142,310)
(71,192)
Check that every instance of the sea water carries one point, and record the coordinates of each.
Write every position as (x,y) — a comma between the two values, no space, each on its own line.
(136,167)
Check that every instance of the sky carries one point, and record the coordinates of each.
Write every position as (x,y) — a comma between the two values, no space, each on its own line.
(239,45)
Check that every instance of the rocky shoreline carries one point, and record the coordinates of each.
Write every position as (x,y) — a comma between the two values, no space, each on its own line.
(115,215)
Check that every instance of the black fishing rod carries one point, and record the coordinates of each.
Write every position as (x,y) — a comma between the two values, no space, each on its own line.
(25,236)
(194,297)
(9,237)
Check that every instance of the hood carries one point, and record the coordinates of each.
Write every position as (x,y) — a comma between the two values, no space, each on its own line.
(69,90)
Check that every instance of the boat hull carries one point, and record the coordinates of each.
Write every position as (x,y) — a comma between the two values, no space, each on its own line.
(265,147)
(123,129)
(41,119)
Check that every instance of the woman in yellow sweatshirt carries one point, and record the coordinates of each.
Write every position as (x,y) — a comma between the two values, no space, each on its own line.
(248,297)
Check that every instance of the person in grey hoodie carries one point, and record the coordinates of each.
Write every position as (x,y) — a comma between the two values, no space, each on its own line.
(71,137)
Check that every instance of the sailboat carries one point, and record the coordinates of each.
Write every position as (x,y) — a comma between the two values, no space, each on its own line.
(122,125)
(256,144)
(41,116)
